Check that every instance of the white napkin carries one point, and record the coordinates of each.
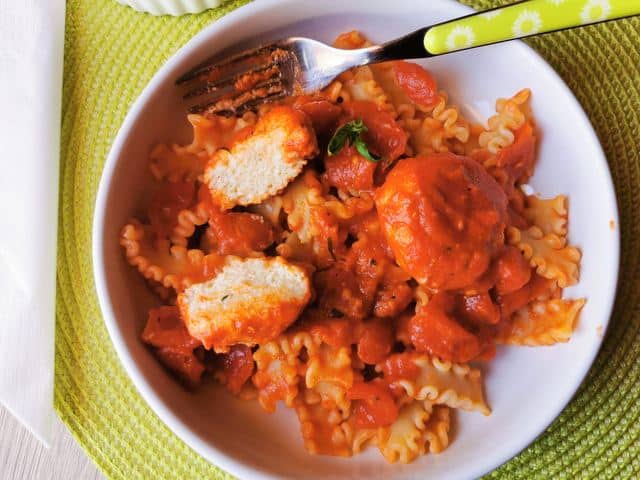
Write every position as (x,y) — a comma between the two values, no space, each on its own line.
(31,57)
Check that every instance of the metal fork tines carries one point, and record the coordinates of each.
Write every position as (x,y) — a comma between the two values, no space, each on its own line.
(240,83)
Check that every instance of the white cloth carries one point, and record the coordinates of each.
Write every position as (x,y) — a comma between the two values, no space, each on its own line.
(31,58)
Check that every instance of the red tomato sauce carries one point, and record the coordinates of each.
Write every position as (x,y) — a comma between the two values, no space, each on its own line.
(416,82)
(234,233)
(348,170)
(444,218)
(518,159)
(375,341)
(384,136)
(373,405)
(174,346)
(518,299)
(435,330)
(167,202)
(165,329)
(323,114)
(400,366)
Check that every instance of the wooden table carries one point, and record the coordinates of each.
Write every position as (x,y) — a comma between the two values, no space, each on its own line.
(23,458)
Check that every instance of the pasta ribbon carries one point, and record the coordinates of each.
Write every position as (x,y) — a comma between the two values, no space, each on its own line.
(442,130)
(188,220)
(175,162)
(357,437)
(548,214)
(276,376)
(321,428)
(211,133)
(549,254)
(329,373)
(172,266)
(542,323)
(436,432)
(314,218)
(303,202)
(403,441)
(446,383)
(270,209)
(385,75)
(511,115)
(363,86)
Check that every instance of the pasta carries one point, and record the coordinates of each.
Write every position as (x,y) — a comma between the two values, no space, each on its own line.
(550,215)
(355,285)
(549,253)
(543,323)
(457,386)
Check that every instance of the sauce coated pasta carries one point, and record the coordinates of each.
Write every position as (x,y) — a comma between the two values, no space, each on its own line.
(355,255)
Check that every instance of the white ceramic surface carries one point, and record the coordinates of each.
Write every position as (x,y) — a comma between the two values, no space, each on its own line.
(526,387)
(170,7)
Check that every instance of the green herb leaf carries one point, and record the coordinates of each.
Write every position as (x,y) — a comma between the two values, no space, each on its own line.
(338,140)
(224,298)
(364,150)
(351,132)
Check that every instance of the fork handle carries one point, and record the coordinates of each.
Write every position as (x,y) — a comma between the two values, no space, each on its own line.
(519,20)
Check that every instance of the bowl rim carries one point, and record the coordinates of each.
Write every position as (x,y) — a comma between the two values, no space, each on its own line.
(210,452)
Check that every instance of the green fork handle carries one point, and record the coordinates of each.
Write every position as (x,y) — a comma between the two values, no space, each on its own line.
(522,20)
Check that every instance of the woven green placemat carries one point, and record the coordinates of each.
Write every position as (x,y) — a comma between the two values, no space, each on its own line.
(111,52)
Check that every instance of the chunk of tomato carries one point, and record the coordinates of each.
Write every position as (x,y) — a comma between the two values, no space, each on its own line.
(165,329)
(373,405)
(349,170)
(238,367)
(513,271)
(168,200)
(518,158)
(384,136)
(376,341)
(417,83)
(434,330)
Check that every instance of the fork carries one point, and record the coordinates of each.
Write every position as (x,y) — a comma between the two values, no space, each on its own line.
(234,85)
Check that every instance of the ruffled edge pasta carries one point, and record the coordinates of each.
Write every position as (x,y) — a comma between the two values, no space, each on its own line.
(543,323)
(550,215)
(172,266)
(548,254)
(511,114)
(451,384)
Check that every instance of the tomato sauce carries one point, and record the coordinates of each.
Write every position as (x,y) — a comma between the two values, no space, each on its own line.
(174,346)
(168,200)
(518,159)
(435,330)
(235,233)
(417,83)
(478,309)
(444,218)
(348,170)
(373,405)
(384,136)
(323,114)
(518,299)
(400,366)
(165,329)
(513,271)
(375,341)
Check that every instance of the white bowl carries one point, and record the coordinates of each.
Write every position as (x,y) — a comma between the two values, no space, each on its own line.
(526,387)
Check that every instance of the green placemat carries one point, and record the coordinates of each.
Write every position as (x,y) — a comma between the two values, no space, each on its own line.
(111,52)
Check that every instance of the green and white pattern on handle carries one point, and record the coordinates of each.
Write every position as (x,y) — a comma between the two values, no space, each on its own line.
(521,20)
